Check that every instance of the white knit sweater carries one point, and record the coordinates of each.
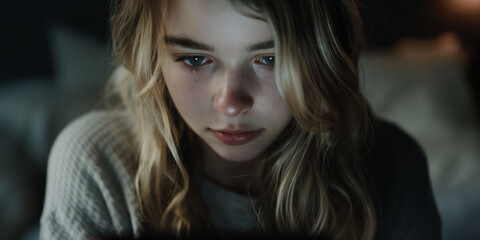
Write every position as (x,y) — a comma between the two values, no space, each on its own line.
(90,190)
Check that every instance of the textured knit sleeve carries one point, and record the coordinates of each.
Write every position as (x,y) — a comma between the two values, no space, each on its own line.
(89,182)
(408,209)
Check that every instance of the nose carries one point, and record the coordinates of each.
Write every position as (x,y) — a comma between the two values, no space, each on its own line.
(232,97)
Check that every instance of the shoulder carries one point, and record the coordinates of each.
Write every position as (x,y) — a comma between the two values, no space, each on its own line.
(393,157)
(90,177)
(401,181)
(393,148)
(97,141)
(98,129)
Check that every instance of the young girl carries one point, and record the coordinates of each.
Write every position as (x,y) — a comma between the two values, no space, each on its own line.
(242,117)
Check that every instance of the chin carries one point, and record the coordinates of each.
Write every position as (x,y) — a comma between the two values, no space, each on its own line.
(238,156)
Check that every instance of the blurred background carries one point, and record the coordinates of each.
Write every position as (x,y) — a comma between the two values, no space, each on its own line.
(419,69)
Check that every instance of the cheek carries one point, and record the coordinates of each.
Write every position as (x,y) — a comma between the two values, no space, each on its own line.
(281,110)
(275,107)
(186,94)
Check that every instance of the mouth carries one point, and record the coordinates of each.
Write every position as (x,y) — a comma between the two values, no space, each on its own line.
(236,137)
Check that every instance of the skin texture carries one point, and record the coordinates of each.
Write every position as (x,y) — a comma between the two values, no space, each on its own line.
(232,88)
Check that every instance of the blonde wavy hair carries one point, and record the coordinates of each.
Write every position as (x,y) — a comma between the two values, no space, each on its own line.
(314,173)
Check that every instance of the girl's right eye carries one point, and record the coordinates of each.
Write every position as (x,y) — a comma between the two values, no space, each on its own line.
(193,63)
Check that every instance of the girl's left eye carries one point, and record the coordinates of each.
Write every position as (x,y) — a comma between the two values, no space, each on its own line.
(266,60)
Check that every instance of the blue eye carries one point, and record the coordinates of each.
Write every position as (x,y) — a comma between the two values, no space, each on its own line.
(266,60)
(195,60)
(193,63)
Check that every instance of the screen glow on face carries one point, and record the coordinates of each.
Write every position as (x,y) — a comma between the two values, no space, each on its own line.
(219,70)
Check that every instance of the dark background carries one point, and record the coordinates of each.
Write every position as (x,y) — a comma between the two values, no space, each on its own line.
(24,46)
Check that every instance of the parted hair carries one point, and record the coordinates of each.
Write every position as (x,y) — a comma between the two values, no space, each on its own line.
(312,180)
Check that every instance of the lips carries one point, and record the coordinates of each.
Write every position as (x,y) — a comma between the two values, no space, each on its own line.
(236,137)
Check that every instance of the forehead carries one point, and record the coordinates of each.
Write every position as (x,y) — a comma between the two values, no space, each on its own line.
(215,22)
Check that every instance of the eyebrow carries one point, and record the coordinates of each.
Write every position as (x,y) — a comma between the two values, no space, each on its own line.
(189,43)
(186,43)
(261,46)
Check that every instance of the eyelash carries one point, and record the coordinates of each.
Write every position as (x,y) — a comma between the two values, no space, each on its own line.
(193,68)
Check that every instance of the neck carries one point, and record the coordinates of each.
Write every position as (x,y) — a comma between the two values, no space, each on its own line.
(236,176)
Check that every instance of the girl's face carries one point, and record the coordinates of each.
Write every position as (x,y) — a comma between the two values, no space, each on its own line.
(219,70)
